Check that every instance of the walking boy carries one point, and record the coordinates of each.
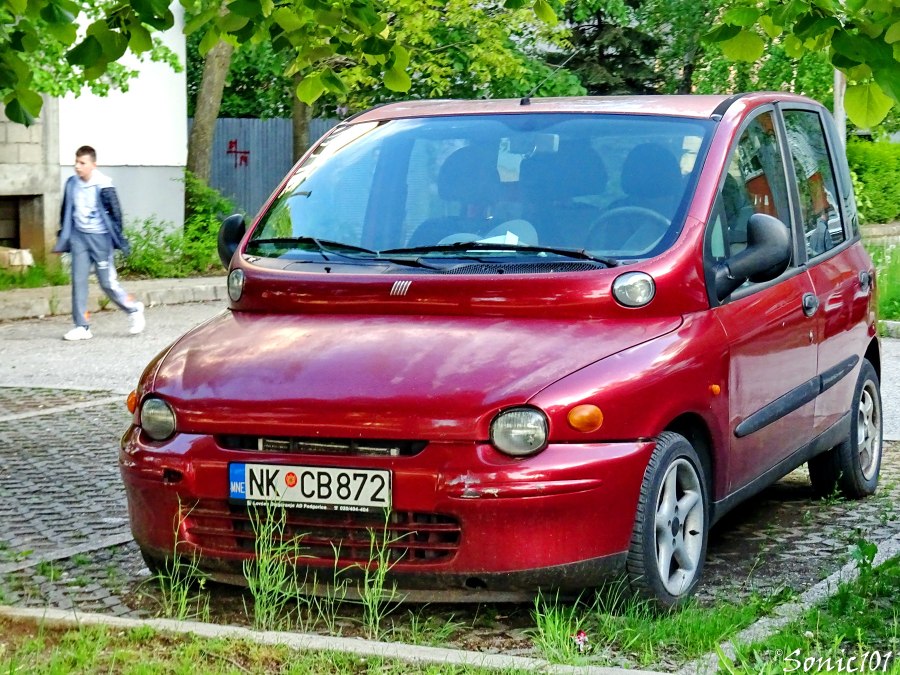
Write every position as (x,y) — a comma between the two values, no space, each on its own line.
(91,229)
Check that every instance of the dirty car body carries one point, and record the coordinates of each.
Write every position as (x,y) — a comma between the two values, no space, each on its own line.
(526,343)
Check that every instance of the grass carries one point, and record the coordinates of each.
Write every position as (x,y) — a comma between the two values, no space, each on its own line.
(614,625)
(887,264)
(36,276)
(860,622)
(27,647)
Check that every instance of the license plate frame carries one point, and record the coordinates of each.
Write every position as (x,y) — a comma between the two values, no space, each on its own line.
(324,488)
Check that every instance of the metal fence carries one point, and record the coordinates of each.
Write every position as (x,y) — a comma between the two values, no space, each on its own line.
(251,156)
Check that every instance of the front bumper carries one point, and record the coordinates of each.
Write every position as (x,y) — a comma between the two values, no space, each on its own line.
(464,517)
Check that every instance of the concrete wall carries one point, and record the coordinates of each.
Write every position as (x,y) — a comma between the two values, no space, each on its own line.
(140,135)
(29,181)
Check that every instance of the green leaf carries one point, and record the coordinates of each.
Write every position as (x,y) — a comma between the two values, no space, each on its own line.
(248,8)
(16,112)
(722,33)
(86,53)
(515,4)
(139,40)
(793,46)
(18,7)
(231,23)
(856,47)
(65,33)
(209,41)
(333,82)
(400,57)
(745,46)
(200,21)
(741,16)
(769,26)
(287,19)
(542,10)
(396,79)
(376,46)
(329,17)
(892,34)
(866,104)
(855,5)
(887,77)
(310,89)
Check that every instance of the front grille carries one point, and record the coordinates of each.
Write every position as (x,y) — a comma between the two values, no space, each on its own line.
(322,446)
(326,535)
(524,268)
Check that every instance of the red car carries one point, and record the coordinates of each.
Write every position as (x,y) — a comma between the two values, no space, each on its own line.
(547,339)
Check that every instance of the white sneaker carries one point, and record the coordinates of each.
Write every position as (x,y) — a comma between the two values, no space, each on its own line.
(136,320)
(78,333)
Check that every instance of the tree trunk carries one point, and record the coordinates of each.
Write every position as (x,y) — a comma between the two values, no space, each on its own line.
(206,111)
(299,121)
(840,115)
(686,83)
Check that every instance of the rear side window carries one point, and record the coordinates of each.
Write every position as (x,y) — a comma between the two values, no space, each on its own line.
(754,183)
(819,213)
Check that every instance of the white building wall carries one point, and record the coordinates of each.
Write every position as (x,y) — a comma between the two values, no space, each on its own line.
(140,135)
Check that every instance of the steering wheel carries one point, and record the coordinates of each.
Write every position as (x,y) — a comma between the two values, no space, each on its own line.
(628,228)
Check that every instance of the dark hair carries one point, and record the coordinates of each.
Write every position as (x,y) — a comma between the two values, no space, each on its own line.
(87,150)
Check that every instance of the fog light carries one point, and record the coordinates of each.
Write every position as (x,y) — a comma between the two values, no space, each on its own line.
(634,289)
(157,419)
(585,418)
(519,431)
(235,285)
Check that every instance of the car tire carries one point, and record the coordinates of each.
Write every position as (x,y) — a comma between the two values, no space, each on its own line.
(853,466)
(155,565)
(668,544)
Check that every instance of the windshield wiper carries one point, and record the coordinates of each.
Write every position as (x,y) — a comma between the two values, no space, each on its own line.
(327,246)
(323,246)
(579,253)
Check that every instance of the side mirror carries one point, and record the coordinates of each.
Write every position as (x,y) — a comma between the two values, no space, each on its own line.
(766,257)
(230,234)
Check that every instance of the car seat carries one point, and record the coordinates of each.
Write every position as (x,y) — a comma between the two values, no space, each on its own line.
(551,183)
(470,180)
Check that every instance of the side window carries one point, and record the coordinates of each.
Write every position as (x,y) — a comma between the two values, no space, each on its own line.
(819,212)
(754,183)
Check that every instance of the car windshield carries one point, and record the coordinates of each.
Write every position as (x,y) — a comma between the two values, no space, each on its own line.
(594,186)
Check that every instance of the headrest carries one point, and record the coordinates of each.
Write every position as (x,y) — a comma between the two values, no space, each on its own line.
(563,175)
(469,175)
(651,170)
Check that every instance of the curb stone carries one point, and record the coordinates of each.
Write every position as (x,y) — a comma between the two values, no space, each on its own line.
(784,614)
(306,641)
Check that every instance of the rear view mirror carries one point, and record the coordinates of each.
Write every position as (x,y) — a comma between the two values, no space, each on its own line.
(230,234)
(766,257)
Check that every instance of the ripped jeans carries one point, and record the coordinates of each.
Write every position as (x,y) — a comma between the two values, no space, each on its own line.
(94,250)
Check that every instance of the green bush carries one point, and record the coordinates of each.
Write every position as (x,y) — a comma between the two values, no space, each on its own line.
(877,167)
(160,250)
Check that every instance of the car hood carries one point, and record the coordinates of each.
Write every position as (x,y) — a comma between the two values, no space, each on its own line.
(362,376)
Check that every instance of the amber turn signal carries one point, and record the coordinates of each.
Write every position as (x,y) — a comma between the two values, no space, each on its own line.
(131,401)
(715,389)
(585,418)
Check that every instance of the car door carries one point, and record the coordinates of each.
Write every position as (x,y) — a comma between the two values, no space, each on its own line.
(840,269)
(771,341)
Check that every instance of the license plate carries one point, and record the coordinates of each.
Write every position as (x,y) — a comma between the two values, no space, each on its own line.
(311,487)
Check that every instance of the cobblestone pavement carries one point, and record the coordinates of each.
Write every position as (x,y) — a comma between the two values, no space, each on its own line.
(65,541)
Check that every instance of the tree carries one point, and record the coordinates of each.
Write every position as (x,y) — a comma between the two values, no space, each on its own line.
(861,38)
(613,53)
(41,51)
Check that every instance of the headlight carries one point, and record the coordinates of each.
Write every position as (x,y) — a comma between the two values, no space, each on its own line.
(519,431)
(157,419)
(235,285)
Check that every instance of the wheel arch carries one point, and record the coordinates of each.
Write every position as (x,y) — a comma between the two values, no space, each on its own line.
(694,428)
(873,356)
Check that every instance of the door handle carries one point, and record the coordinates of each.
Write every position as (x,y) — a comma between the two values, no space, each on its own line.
(865,281)
(810,304)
